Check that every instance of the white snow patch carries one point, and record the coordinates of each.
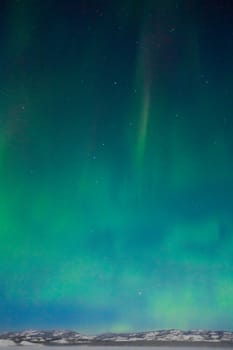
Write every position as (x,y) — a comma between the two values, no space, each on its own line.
(60,341)
(28,343)
(6,342)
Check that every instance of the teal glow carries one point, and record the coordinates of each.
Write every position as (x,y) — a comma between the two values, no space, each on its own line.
(116,166)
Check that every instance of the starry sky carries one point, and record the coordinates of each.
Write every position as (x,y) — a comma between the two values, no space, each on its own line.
(116,164)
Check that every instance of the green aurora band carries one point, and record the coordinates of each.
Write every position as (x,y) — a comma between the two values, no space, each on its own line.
(115,166)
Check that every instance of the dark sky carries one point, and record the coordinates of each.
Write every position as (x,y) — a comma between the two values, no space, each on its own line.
(116,169)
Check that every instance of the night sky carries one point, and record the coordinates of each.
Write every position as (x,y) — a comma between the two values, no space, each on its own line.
(116,164)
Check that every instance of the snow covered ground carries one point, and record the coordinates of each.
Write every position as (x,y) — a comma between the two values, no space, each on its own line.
(170,337)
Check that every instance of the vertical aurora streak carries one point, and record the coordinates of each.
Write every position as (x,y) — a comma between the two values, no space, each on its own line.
(116,169)
(144,69)
(143,126)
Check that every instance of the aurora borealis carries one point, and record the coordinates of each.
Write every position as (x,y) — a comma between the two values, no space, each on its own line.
(116,164)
